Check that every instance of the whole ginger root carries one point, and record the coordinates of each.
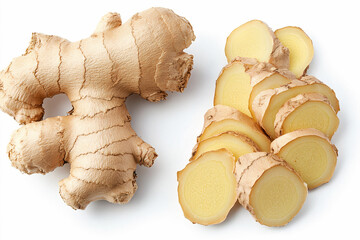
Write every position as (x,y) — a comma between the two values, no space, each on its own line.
(143,56)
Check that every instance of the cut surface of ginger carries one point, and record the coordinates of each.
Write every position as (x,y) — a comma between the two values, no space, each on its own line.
(310,110)
(310,153)
(240,127)
(268,103)
(269,188)
(274,81)
(207,187)
(300,47)
(277,196)
(237,144)
(233,87)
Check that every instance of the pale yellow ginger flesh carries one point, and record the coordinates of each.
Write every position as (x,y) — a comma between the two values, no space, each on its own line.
(207,187)
(269,188)
(255,39)
(268,103)
(265,76)
(233,87)
(300,47)
(310,110)
(237,144)
(142,56)
(310,153)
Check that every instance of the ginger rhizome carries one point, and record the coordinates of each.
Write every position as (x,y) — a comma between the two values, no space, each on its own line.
(143,56)
(268,102)
(269,188)
(255,39)
(310,153)
(207,187)
(300,47)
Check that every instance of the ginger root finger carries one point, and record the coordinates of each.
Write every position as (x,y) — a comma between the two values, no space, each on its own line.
(309,110)
(267,103)
(265,76)
(207,187)
(233,85)
(300,47)
(310,153)
(221,119)
(268,188)
(255,39)
(143,56)
(237,144)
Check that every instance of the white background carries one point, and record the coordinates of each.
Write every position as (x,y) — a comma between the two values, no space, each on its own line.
(30,206)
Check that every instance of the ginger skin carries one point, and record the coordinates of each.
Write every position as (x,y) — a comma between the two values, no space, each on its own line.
(143,56)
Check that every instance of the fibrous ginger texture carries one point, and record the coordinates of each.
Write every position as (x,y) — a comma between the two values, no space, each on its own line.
(265,76)
(300,47)
(233,85)
(143,56)
(207,187)
(308,110)
(237,144)
(268,103)
(221,119)
(310,153)
(269,188)
(255,39)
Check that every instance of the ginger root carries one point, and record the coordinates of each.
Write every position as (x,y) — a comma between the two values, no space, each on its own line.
(255,39)
(221,119)
(308,110)
(300,47)
(207,187)
(268,102)
(269,188)
(143,56)
(310,153)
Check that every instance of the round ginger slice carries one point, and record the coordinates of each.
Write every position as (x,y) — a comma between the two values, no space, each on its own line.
(221,119)
(269,188)
(300,47)
(255,39)
(310,153)
(233,86)
(207,187)
(265,76)
(268,103)
(237,144)
(310,110)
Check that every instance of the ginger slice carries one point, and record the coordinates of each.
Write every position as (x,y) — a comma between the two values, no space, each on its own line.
(310,153)
(268,103)
(300,47)
(255,39)
(233,86)
(237,144)
(207,187)
(309,110)
(221,119)
(269,188)
(265,76)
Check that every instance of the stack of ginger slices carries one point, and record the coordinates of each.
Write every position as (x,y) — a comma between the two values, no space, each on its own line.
(266,141)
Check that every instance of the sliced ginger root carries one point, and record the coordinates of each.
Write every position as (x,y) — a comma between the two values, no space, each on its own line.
(309,110)
(300,47)
(269,188)
(237,144)
(207,187)
(268,103)
(221,119)
(265,76)
(233,86)
(142,56)
(255,39)
(310,153)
